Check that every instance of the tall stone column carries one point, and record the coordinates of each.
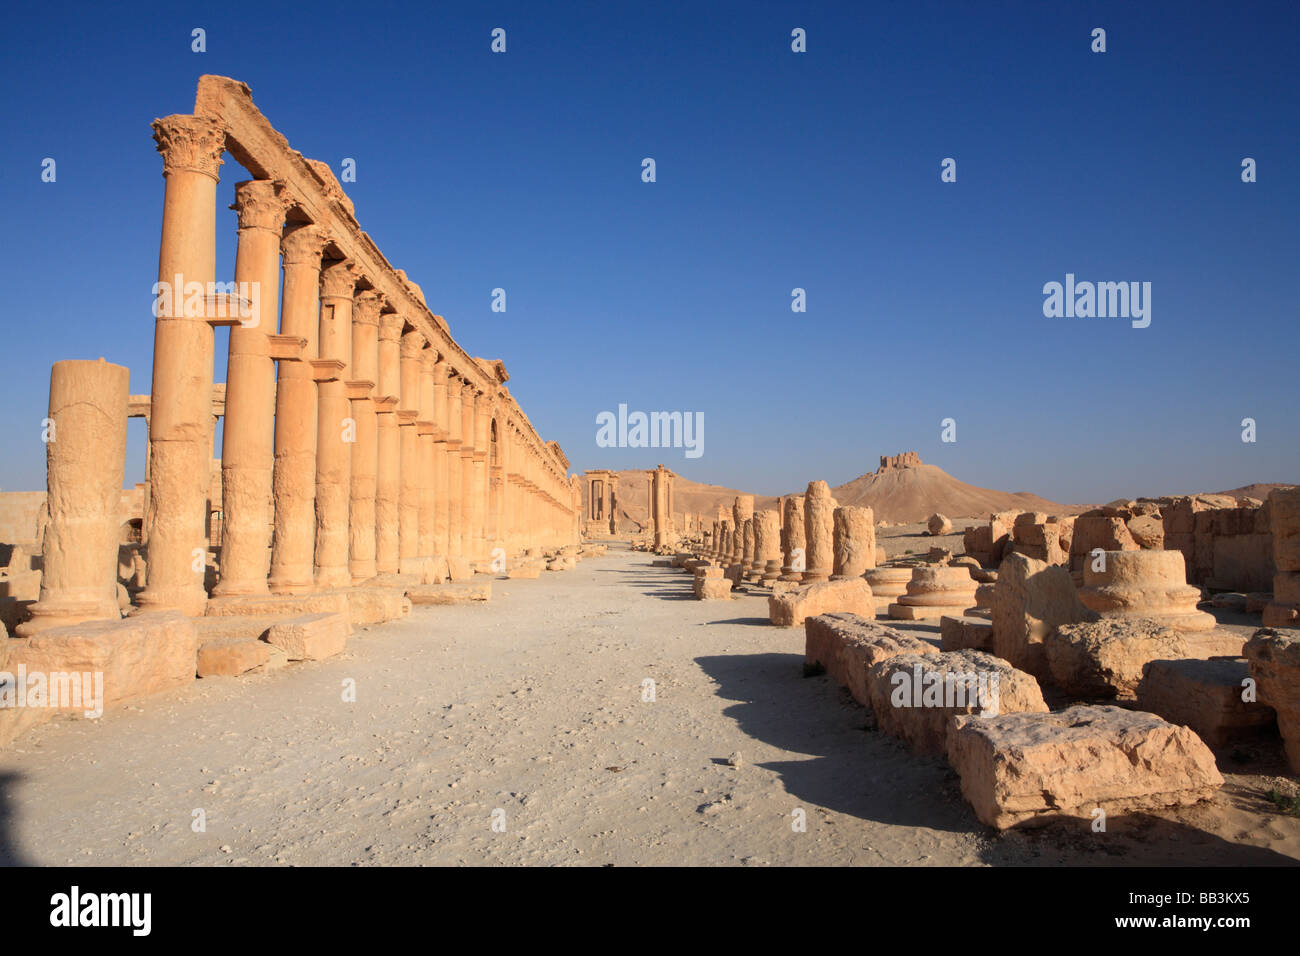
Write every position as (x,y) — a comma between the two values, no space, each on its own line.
(455,528)
(248,441)
(854,542)
(441,518)
(180,407)
(469,491)
(747,548)
(428,478)
(819,531)
(792,540)
(336,428)
(387,484)
(741,511)
(767,546)
(365,450)
(482,488)
(294,479)
(85,454)
(408,491)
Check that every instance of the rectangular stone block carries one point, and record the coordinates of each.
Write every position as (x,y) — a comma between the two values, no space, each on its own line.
(925,612)
(312,637)
(848,645)
(459,569)
(914,695)
(526,569)
(230,657)
(1205,696)
(450,593)
(712,589)
(962,632)
(1023,767)
(794,607)
(368,605)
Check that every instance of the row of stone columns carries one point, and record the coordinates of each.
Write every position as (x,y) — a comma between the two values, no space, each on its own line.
(810,538)
(353,447)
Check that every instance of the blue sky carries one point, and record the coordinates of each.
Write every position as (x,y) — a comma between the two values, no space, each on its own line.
(775,170)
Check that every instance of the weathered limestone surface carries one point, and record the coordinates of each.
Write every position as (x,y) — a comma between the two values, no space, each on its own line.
(1284,519)
(85,454)
(1146,584)
(853,541)
(914,696)
(1274,657)
(939,524)
(1029,599)
(848,645)
(1106,658)
(819,532)
(312,637)
(793,547)
(791,608)
(962,633)
(231,656)
(1205,696)
(450,593)
(934,591)
(887,585)
(1020,767)
(1093,532)
(767,545)
(141,655)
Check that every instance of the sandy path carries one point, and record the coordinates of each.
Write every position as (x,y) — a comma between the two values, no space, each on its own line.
(533,705)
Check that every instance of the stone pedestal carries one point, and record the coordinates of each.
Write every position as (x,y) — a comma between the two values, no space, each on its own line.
(819,532)
(1146,584)
(85,456)
(887,585)
(933,592)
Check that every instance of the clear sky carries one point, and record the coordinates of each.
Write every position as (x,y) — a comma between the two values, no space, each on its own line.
(775,170)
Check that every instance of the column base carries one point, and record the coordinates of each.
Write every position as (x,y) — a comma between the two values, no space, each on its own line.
(190,601)
(43,618)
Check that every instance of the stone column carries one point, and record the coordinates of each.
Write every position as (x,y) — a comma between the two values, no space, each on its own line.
(482,486)
(294,480)
(819,531)
(441,511)
(854,542)
(469,491)
(180,407)
(248,441)
(767,546)
(336,429)
(455,533)
(428,477)
(408,489)
(747,548)
(365,450)
(741,511)
(792,540)
(388,478)
(85,453)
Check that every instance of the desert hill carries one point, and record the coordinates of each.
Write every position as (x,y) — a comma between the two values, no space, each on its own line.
(902,491)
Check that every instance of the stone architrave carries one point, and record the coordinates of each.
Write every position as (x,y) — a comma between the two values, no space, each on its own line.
(85,453)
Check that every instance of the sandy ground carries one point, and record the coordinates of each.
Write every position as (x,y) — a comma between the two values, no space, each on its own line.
(533,706)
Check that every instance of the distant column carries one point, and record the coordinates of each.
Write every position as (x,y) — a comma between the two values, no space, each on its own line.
(387,543)
(294,479)
(408,488)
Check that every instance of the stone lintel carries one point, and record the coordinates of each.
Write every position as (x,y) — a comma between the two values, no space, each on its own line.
(286,348)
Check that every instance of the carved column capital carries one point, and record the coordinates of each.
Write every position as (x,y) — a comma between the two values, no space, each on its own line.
(390,327)
(338,278)
(366,306)
(412,344)
(261,204)
(302,244)
(190,142)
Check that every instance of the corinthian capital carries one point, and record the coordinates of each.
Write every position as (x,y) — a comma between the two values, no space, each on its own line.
(190,142)
(261,204)
(366,306)
(338,278)
(303,244)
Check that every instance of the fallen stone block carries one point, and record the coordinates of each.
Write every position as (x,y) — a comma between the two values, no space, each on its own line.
(1205,696)
(965,633)
(113,661)
(712,589)
(230,657)
(334,601)
(794,607)
(914,695)
(1029,599)
(1274,658)
(561,563)
(1020,767)
(848,645)
(312,637)
(450,593)
(527,569)
(1219,642)
(1105,658)
(367,605)
(459,569)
